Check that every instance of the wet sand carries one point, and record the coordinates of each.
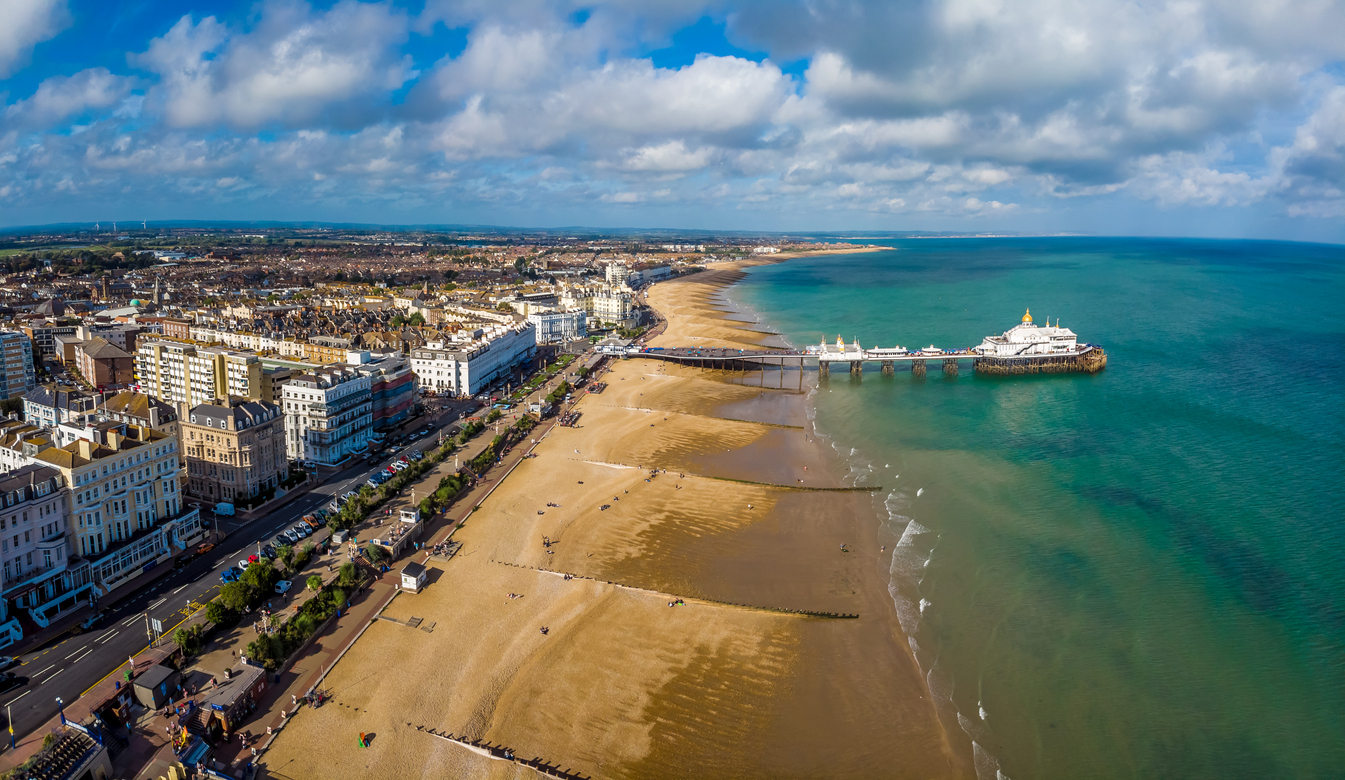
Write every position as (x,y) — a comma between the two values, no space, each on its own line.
(623,685)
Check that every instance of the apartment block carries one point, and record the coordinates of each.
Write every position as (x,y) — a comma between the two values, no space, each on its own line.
(16,364)
(195,374)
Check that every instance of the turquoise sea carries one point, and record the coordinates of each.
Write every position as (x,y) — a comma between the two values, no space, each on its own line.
(1135,574)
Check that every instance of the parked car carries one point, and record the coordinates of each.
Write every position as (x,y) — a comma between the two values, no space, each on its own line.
(351,494)
(230,575)
(269,552)
(243,564)
(283,587)
(10,681)
(334,505)
(6,661)
(417,455)
(202,549)
(302,530)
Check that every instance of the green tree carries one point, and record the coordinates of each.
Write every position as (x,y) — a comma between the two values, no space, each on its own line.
(236,596)
(219,614)
(416,320)
(261,577)
(376,552)
(285,553)
(346,574)
(314,582)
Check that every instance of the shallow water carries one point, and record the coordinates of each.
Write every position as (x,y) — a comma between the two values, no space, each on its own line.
(1132,574)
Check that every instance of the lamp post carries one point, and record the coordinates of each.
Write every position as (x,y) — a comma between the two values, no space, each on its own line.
(9,718)
(60,705)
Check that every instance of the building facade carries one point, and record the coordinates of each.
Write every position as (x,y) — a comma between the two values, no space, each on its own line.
(392,389)
(558,327)
(104,364)
(50,405)
(193,374)
(126,508)
(16,364)
(328,415)
(472,360)
(234,449)
(41,575)
(44,336)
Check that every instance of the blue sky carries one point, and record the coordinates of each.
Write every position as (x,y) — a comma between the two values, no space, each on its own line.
(1107,117)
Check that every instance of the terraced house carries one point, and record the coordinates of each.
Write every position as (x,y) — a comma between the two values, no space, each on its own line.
(127,510)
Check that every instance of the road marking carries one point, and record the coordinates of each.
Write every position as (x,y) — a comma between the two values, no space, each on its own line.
(105,636)
(130,620)
(68,656)
(109,636)
(52,677)
(157,603)
(44,671)
(86,652)
(20,696)
(185,584)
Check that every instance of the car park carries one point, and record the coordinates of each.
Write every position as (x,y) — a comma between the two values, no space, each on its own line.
(283,587)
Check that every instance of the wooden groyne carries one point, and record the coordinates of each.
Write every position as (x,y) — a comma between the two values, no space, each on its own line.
(623,586)
(1090,362)
(502,753)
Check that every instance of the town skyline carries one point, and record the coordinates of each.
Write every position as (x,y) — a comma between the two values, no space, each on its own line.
(1210,120)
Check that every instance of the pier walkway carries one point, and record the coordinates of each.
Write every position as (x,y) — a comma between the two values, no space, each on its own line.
(1086,358)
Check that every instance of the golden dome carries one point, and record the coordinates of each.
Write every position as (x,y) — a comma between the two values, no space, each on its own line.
(1028,316)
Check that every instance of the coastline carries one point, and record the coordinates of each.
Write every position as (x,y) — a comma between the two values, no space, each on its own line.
(621,685)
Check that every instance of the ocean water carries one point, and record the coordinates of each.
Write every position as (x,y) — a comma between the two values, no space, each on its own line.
(1139,573)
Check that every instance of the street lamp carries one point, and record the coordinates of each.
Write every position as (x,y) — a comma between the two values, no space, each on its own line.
(60,705)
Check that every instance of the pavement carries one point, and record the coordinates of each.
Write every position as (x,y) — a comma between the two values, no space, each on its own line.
(68,665)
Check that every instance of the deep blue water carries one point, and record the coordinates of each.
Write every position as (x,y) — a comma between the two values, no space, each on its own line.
(1132,574)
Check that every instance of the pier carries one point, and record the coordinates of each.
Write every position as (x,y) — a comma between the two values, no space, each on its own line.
(1088,359)
(1026,348)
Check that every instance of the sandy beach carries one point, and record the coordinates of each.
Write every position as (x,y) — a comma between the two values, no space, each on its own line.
(677,483)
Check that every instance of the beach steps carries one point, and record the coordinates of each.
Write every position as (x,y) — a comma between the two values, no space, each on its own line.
(754,607)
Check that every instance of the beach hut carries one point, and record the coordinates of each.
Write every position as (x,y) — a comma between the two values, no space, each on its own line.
(413,577)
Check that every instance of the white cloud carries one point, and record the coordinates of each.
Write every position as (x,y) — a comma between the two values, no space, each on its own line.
(23,25)
(60,97)
(294,66)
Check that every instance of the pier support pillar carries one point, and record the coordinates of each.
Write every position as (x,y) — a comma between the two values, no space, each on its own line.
(950,366)
(823,368)
(918,368)
(888,368)
(856,367)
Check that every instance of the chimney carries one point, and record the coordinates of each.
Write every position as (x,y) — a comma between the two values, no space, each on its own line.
(85,448)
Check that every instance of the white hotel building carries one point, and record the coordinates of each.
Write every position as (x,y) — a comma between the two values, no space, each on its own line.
(467,363)
(558,327)
(328,415)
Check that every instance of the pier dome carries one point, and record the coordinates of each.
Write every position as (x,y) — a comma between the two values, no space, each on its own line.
(1027,317)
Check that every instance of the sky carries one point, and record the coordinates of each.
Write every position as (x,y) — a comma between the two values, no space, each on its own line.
(1109,117)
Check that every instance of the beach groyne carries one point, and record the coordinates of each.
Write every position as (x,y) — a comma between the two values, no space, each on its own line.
(702,599)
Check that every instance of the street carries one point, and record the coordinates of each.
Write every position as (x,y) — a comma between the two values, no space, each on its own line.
(73,665)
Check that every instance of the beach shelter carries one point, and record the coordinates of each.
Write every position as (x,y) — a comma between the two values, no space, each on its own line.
(413,577)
